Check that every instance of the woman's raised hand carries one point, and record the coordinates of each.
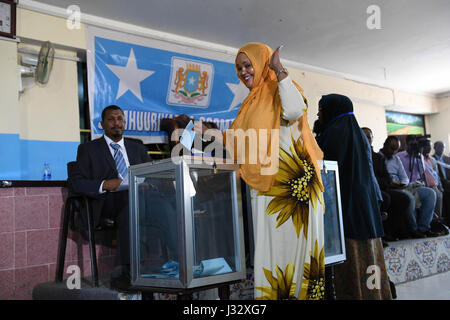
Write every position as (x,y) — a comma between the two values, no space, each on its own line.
(275,63)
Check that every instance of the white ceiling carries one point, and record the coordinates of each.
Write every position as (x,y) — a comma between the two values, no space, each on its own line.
(411,51)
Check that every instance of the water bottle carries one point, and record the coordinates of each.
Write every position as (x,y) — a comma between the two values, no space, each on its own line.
(46,172)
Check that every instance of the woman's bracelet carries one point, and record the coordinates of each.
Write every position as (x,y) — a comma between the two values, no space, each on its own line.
(280,71)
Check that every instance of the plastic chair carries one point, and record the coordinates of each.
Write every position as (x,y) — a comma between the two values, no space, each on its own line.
(76,203)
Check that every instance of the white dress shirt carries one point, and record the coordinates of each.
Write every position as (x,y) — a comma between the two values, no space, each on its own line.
(395,169)
(124,184)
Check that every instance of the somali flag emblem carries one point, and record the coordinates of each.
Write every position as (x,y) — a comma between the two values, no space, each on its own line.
(190,83)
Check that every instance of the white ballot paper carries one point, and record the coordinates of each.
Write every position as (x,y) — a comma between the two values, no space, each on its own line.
(187,138)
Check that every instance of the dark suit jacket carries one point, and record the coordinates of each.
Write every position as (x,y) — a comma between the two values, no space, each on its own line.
(381,173)
(95,164)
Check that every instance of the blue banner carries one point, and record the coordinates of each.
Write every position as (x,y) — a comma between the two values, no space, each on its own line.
(152,80)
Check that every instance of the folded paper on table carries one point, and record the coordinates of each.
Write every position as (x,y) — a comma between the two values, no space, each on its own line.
(208,267)
(214,266)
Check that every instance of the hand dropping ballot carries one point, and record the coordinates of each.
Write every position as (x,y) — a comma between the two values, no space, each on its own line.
(187,138)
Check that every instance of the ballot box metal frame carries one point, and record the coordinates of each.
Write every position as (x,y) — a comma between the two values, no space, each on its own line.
(181,166)
(326,166)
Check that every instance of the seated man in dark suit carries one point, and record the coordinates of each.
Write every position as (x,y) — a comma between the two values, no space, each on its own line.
(102,175)
(442,167)
(443,160)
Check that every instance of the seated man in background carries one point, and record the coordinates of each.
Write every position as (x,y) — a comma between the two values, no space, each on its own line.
(412,162)
(442,159)
(103,176)
(403,207)
(442,167)
(431,177)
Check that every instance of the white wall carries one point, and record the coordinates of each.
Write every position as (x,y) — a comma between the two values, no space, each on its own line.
(370,102)
(440,123)
(50,112)
(44,27)
(9,120)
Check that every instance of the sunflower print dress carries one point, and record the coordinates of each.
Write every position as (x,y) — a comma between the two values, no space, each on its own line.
(288,224)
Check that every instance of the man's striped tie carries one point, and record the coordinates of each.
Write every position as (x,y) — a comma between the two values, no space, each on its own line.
(120,161)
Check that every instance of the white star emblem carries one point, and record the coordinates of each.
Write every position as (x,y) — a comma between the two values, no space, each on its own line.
(240,92)
(191,80)
(130,77)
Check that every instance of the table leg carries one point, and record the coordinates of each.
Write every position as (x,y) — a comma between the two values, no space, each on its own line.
(224,292)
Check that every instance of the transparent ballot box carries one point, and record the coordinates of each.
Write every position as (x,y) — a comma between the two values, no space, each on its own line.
(333,224)
(186,224)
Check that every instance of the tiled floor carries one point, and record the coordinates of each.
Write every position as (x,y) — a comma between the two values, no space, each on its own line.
(436,287)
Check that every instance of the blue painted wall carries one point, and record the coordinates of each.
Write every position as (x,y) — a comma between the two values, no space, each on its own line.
(24,159)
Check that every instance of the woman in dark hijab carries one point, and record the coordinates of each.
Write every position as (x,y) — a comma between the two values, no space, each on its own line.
(342,140)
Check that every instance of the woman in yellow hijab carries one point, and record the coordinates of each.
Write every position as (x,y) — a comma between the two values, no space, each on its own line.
(287,202)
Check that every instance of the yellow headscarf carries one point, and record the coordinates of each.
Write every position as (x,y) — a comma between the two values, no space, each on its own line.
(262,110)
